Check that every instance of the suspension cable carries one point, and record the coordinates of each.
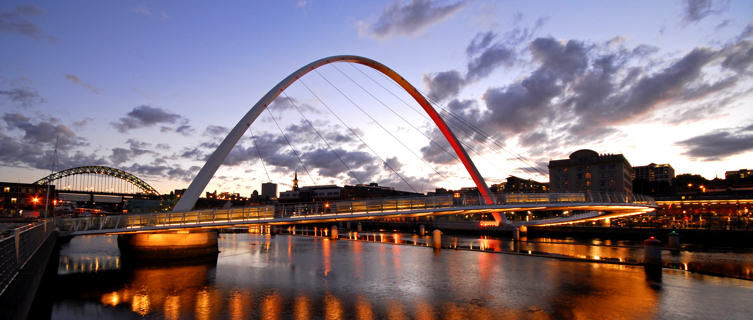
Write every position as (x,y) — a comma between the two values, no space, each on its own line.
(352,131)
(379,124)
(261,160)
(469,147)
(290,145)
(431,141)
(472,128)
(329,146)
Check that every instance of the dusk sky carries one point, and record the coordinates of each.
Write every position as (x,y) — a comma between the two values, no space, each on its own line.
(151,87)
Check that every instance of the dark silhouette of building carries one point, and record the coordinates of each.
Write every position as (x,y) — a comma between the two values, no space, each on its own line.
(269,189)
(588,171)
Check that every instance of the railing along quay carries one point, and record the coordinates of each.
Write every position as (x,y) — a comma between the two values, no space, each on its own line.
(332,209)
(17,249)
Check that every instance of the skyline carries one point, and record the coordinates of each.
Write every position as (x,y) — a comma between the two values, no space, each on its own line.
(151,88)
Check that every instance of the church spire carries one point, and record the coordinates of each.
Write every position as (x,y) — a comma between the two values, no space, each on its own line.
(295,181)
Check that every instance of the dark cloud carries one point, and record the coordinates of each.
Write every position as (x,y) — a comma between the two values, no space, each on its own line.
(75,79)
(738,57)
(20,153)
(580,92)
(22,96)
(696,10)
(185,130)
(491,58)
(216,131)
(281,104)
(392,163)
(135,148)
(43,132)
(15,22)
(720,144)
(409,17)
(443,85)
(172,171)
(147,116)
(327,163)
(480,41)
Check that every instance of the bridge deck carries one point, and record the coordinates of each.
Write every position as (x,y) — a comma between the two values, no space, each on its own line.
(598,208)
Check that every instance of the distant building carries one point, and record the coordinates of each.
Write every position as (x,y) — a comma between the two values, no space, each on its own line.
(519,185)
(373,190)
(311,194)
(654,173)
(24,199)
(269,189)
(738,175)
(587,171)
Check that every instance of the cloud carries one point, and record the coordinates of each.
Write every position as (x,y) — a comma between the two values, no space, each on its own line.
(216,131)
(409,18)
(22,96)
(35,146)
(443,85)
(171,171)
(75,79)
(480,41)
(579,92)
(491,58)
(146,116)
(15,22)
(696,10)
(719,144)
(43,132)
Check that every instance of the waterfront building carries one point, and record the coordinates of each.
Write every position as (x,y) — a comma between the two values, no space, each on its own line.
(17,199)
(588,171)
(654,173)
(739,174)
(519,185)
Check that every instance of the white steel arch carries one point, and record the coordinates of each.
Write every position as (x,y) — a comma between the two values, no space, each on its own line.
(206,173)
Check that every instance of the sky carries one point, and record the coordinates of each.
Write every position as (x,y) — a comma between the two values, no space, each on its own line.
(152,88)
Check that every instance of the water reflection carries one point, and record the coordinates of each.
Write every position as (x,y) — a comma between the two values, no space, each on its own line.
(283,277)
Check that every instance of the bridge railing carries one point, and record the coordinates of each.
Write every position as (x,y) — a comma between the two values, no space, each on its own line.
(18,248)
(333,208)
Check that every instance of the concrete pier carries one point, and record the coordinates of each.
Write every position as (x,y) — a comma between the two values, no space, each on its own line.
(333,235)
(168,245)
(421,230)
(436,239)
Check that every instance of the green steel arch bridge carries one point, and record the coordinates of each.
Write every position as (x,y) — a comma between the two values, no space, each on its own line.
(98,180)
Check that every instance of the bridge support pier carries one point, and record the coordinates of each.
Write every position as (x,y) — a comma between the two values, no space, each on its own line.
(360,227)
(168,245)
(333,235)
(421,230)
(436,239)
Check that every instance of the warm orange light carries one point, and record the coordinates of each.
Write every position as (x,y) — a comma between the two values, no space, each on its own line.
(35,200)
(326,205)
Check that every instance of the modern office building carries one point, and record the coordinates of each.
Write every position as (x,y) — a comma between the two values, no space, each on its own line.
(587,171)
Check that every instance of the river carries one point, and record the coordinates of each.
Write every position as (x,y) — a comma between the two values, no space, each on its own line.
(304,277)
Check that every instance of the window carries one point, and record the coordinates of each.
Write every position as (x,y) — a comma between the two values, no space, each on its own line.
(6,189)
(13,200)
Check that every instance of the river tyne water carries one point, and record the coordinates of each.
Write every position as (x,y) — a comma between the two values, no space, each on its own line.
(303,277)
